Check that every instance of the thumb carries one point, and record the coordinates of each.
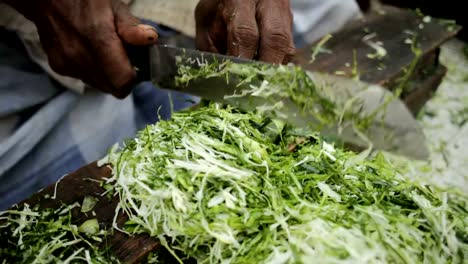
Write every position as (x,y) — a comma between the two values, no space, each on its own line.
(129,28)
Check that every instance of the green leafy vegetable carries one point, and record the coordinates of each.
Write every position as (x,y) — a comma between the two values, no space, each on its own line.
(89,227)
(222,186)
(459,117)
(88,204)
(379,50)
(33,235)
(271,85)
(319,48)
(288,93)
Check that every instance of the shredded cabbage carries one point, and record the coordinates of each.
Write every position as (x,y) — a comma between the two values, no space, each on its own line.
(33,235)
(222,186)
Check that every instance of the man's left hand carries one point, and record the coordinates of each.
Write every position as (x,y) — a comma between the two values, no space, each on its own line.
(251,29)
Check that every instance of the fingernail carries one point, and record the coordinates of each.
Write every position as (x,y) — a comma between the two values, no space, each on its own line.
(147,27)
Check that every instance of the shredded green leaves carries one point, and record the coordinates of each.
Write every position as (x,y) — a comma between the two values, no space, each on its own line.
(89,227)
(88,204)
(320,48)
(290,94)
(274,86)
(222,186)
(33,235)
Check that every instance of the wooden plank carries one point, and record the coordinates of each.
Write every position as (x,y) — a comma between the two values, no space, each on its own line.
(392,29)
(423,89)
(87,182)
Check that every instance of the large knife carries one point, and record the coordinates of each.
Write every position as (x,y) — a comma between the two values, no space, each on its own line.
(393,129)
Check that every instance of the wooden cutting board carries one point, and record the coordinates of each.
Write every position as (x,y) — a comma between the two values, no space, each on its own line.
(393,28)
(389,28)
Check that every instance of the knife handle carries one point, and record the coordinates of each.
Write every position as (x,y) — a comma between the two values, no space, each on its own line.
(140,59)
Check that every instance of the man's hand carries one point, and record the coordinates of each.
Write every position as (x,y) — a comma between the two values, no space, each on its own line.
(252,29)
(86,39)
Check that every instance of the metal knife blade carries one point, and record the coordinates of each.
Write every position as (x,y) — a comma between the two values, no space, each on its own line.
(392,129)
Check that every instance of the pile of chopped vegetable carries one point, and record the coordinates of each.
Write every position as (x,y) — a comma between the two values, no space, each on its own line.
(273,85)
(222,186)
(33,235)
(311,101)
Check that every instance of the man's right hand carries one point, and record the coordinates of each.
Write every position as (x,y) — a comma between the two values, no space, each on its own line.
(86,39)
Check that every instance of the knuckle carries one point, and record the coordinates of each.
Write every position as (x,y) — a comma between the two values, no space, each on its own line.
(247,33)
(276,34)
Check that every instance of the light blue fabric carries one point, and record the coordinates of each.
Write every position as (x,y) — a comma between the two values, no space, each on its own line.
(56,131)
